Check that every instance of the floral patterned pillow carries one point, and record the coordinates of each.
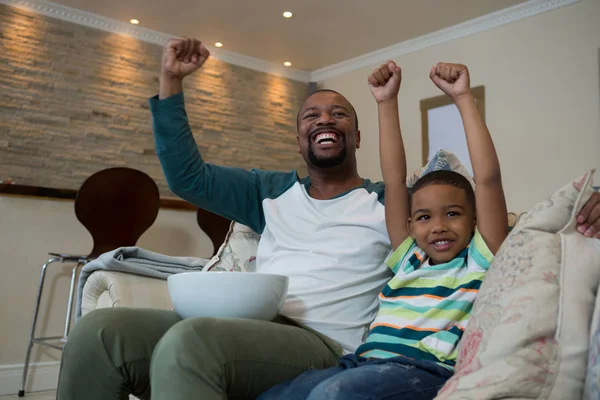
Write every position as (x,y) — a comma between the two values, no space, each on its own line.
(238,251)
(529,333)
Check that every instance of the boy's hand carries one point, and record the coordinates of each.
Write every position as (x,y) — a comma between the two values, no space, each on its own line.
(384,82)
(452,79)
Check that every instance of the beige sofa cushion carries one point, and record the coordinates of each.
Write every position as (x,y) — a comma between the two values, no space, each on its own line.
(529,334)
(117,289)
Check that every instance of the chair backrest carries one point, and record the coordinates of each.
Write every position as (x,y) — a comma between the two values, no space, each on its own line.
(117,205)
(215,227)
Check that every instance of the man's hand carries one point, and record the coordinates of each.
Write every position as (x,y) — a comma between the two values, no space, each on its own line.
(452,79)
(588,220)
(384,82)
(181,57)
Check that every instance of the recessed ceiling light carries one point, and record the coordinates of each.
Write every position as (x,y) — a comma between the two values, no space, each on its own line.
(287,14)
(135,21)
(287,64)
(218,44)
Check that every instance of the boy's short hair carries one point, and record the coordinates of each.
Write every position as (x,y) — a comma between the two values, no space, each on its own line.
(445,177)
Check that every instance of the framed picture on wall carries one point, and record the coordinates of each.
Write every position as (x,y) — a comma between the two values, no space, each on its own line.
(442,127)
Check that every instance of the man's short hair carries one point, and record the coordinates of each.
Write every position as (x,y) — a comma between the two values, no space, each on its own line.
(331,91)
(445,177)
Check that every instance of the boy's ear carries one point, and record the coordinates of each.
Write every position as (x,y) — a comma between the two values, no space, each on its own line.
(409,226)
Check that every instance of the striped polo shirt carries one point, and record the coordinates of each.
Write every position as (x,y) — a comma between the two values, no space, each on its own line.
(424,309)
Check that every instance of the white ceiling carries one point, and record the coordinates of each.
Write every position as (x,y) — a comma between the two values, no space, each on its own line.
(321,32)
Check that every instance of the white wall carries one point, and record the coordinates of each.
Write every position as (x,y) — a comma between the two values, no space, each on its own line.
(32,227)
(542,98)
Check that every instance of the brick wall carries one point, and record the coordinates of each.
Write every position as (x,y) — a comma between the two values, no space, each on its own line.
(73,100)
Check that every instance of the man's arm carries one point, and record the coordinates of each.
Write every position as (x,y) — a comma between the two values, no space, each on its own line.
(588,220)
(231,192)
(453,79)
(234,193)
(180,58)
(384,83)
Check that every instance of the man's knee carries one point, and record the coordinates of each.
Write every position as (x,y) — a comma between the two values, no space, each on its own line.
(192,350)
(123,333)
(88,354)
(193,336)
(108,351)
(93,328)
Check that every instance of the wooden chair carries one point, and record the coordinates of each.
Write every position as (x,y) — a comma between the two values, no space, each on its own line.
(116,206)
(215,227)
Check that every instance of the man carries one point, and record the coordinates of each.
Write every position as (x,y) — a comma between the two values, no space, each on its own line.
(326,232)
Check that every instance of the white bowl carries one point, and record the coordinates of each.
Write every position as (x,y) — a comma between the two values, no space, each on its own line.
(227,294)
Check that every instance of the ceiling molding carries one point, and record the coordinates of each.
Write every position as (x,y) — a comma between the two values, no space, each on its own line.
(91,20)
(476,25)
(489,21)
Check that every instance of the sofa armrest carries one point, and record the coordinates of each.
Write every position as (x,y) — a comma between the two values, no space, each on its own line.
(117,289)
(592,380)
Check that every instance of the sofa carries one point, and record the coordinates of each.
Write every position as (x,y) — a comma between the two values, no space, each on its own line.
(534,332)
(116,289)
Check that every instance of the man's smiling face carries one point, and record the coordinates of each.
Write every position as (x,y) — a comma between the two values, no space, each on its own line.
(327,131)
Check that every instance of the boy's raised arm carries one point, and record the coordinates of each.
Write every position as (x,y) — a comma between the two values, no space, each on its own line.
(454,80)
(384,83)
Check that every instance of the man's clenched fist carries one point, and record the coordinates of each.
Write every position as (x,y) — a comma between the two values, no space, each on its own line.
(181,57)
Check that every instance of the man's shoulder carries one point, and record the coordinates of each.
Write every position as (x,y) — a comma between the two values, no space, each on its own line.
(375,185)
(274,183)
(377,188)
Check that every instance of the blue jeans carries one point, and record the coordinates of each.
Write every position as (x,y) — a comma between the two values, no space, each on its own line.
(359,378)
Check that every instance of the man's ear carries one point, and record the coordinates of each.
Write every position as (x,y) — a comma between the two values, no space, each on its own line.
(298,140)
(357,139)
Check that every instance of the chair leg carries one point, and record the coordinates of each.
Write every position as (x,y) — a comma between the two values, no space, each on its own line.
(33,324)
(70,302)
(60,367)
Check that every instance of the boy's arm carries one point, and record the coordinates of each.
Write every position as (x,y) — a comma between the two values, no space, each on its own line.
(384,83)
(453,79)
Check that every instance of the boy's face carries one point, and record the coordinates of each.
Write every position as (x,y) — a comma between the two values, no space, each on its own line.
(441,221)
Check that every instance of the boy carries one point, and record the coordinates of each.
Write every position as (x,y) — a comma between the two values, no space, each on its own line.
(444,236)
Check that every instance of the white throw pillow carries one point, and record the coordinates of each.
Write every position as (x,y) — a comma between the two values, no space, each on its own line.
(238,251)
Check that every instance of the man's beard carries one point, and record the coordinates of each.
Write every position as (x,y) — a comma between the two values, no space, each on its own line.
(329,162)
